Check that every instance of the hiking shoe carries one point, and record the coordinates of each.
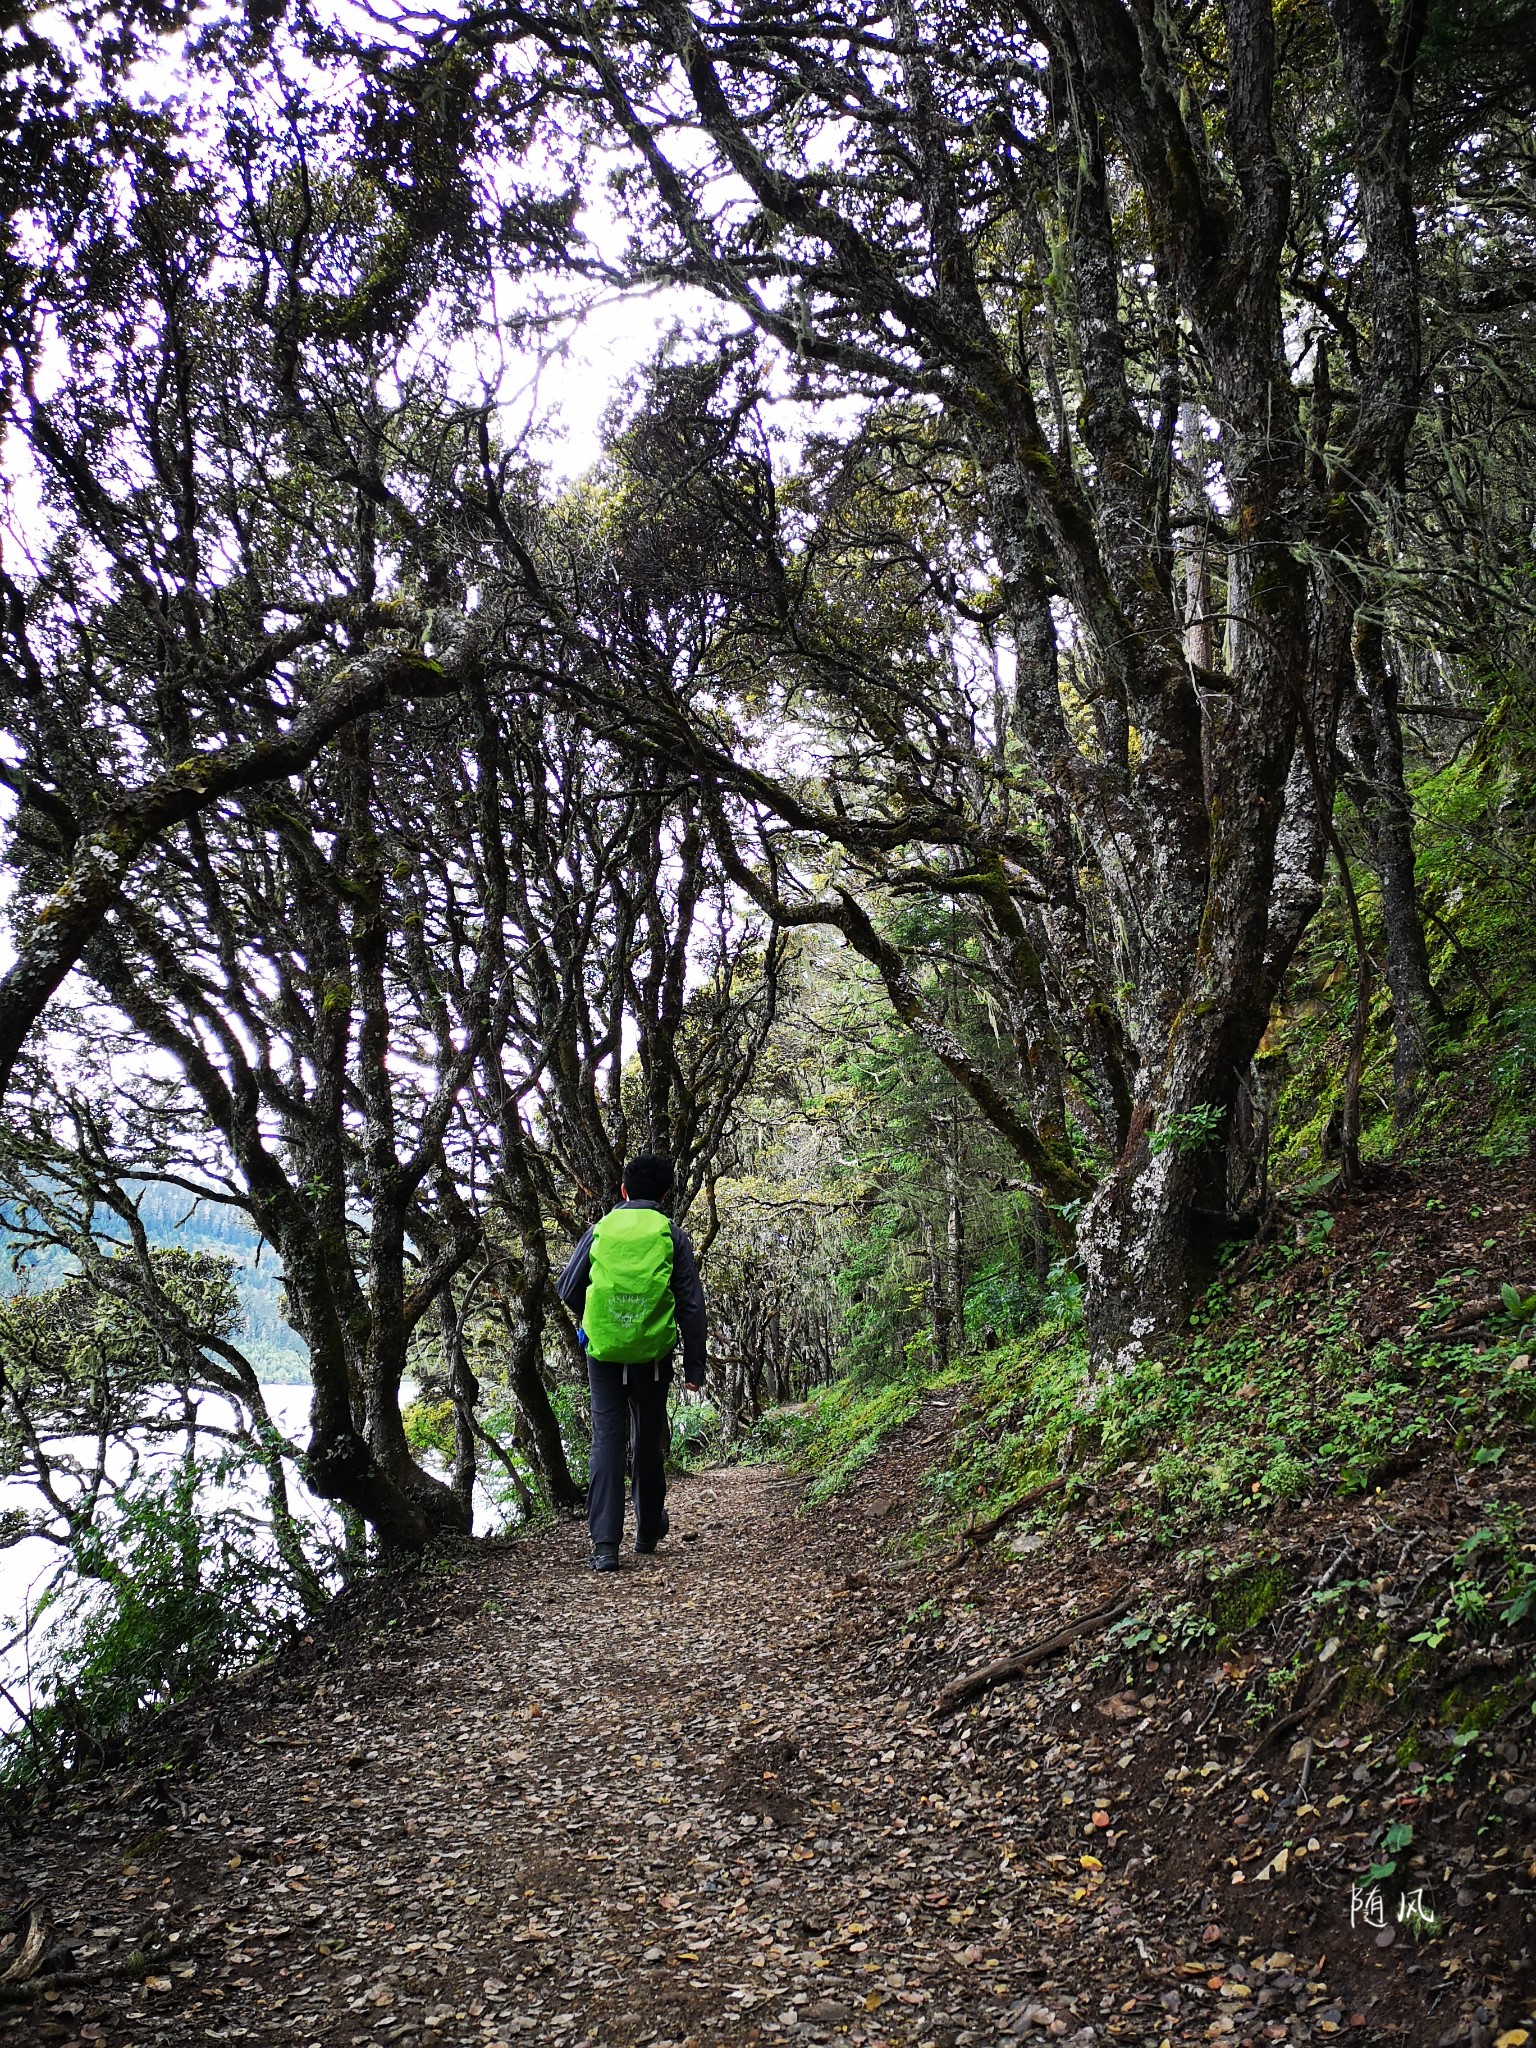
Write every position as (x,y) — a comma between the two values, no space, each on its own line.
(605,1557)
(645,1545)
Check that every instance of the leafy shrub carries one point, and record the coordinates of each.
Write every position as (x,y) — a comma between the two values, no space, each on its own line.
(1187,1130)
(1285,1477)
(1003,1301)
(779,1436)
(572,1411)
(696,1436)
(1514,1065)
(429,1429)
(178,1586)
(1177,1477)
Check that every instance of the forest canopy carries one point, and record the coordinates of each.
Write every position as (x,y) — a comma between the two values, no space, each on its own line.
(1080,501)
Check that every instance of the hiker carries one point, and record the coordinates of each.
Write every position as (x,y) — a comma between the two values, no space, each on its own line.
(634,1288)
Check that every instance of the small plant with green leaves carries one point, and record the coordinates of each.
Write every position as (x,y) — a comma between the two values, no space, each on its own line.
(1186,1131)
(1172,1630)
(175,1586)
(1394,1840)
(1494,1583)
(1519,1314)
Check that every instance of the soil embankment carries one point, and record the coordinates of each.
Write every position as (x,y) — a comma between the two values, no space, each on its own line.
(710,1801)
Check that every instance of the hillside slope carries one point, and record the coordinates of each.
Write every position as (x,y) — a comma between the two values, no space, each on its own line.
(1306,1708)
(1271,1780)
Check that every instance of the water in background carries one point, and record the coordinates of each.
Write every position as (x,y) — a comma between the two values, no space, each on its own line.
(26,1567)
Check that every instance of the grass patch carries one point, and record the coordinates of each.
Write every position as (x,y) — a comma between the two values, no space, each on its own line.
(837,1432)
(1025,1416)
(697,1437)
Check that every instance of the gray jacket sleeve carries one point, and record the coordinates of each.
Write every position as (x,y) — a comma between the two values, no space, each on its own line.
(688,1302)
(572,1284)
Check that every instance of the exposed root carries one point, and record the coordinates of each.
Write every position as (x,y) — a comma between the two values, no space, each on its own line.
(31,1952)
(962,1690)
(1283,1726)
(983,1532)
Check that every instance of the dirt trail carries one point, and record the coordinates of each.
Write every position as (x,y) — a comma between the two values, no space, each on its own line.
(643,1809)
(700,1802)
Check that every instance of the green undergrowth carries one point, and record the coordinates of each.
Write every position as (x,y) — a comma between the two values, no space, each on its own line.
(1275,1399)
(180,1586)
(1475,830)
(520,1502)
(844,1425)
(697,1436)
(1274,1396)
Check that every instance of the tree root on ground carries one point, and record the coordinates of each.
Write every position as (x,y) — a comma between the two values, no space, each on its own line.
(974,1683)
(983,1532)
(1283,1726)
(137,1962)
(24,1964)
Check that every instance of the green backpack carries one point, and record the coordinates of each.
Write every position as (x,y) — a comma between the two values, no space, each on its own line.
(628,1315)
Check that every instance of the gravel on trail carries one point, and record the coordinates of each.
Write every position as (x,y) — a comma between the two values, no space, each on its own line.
(698,1802)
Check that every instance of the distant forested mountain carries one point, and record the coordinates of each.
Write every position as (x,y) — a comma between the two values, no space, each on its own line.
(173,1218)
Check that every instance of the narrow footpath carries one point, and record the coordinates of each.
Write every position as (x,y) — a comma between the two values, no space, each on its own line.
(653,1808)
(699,1802)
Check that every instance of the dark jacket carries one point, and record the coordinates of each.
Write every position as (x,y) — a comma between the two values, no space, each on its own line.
(687,1294)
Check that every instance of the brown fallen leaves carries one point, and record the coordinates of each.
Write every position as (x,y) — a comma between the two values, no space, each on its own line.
(705,1801)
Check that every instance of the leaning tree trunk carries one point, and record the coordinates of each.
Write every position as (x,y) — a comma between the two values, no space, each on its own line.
(338,1464)
(523,1309)
(1373,739)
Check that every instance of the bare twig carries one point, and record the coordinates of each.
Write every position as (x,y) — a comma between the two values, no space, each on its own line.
(1459,949)
(983,1532)
(1006,1669)
(136,1962)
(1221,1693)
(1328,1576)
(1306,1768)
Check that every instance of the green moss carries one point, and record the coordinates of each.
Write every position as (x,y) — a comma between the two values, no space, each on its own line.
(1472,1715)
(1248,1597)
(1362,1681)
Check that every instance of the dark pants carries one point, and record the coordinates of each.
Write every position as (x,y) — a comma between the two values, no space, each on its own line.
(630,1418)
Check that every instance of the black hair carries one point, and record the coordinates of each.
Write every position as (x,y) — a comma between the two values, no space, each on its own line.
(648,1177)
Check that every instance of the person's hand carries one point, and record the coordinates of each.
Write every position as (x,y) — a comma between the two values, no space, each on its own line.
(691,1393)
